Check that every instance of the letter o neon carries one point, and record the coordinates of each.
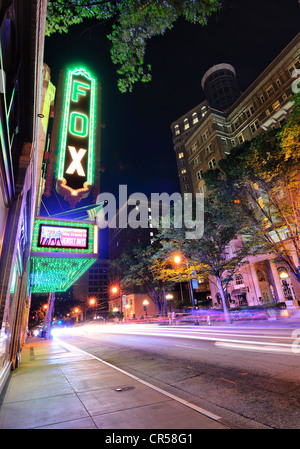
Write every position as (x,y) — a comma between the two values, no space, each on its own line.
(78,124)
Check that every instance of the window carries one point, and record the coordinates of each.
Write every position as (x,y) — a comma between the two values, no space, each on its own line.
(195,118)
(212,163)
(250,111)
(284,97)
(276,105)
(267,112)
(197,161)
(186,123)
(186,187)
(262,99)
(233,143)
(241,138)
(203,110)
(282,121)
(184,178)
(180,155)
(236,125)
(278,83)
(295,66)
(205,136)
(261,276)
(202,189)
(209,149)
(177,130)
(194,147)
(254,126)
(239,279)
(270,91)
(199,174)
(183,171)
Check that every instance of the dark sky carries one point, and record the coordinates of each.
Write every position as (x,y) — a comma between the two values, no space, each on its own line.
(136,145)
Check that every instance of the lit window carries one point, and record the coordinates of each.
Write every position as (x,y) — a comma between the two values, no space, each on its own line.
(186,124)
(180,155)
(195,118)
(276,105)
(239,279)
(284,97)
(241,138)
(177,130)
(267,112)
(183,171)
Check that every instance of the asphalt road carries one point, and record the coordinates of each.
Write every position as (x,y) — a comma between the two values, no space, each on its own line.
(250,376)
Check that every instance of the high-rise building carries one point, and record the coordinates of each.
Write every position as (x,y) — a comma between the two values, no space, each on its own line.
(207,133)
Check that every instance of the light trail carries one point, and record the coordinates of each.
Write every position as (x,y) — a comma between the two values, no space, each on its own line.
(225,338)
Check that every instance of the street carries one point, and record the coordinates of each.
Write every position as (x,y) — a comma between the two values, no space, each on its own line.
(249,375)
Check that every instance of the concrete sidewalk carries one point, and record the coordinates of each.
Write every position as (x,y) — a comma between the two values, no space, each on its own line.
(59,387)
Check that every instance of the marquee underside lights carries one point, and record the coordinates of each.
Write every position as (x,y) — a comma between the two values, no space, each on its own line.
(62,250)
(53,274)
(76,151)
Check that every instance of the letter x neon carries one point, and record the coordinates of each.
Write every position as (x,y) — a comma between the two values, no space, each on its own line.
(76,161)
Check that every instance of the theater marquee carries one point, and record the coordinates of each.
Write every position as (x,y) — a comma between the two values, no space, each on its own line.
(76,152)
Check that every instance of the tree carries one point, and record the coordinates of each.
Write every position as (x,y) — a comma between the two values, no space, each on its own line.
(136,272)
(262,177)
(206,257)
(134,22)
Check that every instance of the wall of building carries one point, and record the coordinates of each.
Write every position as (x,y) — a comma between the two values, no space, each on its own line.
(22,61)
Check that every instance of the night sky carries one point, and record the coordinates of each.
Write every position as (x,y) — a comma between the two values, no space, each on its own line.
(136,145)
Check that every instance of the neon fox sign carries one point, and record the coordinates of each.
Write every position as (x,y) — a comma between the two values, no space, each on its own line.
(76,152)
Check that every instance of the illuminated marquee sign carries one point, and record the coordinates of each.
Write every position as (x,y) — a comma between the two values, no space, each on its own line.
(76,153)
(62,237)
(62,250)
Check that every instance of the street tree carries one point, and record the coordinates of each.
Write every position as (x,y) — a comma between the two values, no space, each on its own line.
(136,274)
(134,22)
(207,257)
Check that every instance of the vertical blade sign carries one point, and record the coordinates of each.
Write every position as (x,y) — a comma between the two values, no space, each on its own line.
(76,151)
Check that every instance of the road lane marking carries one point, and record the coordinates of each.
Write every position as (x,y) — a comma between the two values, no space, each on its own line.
(227,380)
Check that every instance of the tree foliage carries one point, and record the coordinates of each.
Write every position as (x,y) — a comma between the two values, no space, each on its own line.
(208,257)
(134,22)
(136,272)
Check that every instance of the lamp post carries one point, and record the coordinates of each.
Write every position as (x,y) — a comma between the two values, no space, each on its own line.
(115,289)
(145,304)
(177,260)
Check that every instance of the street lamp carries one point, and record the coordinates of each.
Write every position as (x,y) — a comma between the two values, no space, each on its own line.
(177,260)
(115,289)
(145,304)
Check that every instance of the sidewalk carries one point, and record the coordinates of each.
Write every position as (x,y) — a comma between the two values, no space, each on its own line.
(59,387)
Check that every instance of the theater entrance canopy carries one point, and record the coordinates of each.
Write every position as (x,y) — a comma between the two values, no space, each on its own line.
(61,252)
